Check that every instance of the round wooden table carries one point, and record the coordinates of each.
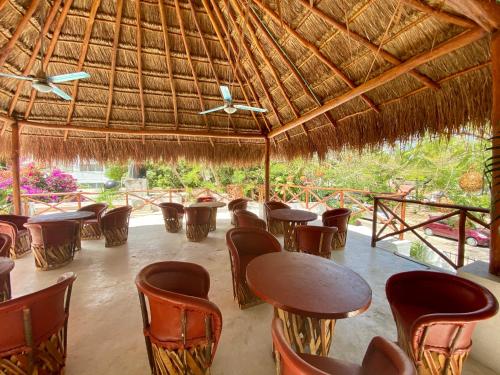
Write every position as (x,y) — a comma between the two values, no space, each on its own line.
(291,218)
(6,265)
(74,215)
(213,215)
(308,293)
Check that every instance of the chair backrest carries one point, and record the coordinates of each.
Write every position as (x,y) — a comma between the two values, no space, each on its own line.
(5,244)
(177,292)
(171,210)
(338,217)
(53,233)
(48,313)
(315,240)
(17,220)
(198,215)
(237,204)
(274,205)
(207,198)
(247,219)
(385,357)
(117,217)
(97,208)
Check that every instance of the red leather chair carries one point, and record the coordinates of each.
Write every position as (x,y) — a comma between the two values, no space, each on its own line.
(182,328)
(435,315)
(197,223)
(339,218)
(234,205)
(207,198)
(91,228)
(53,243)
(36,327)
(381,358)
(315,240)
(173,213)
(274,226)
(247,219)
(245,244)
(114,226)
(13,226)
(5,244)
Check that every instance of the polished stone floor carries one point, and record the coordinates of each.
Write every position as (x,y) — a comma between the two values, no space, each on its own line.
(105,328)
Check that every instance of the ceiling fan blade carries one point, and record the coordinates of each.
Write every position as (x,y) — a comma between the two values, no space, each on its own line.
(26,78)
(56,90)
(247,108)
(68,77)
(226,94)
(213,110)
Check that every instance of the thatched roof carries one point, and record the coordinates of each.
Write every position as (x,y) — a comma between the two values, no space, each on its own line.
(333,74)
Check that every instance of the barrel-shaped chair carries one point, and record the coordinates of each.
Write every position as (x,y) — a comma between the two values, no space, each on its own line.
(5,244)
(338,218)
(181,326)
(274,226)
(247,219)
(91,227)
(13,226)
(234,205)
(114,226)
(315,240)
(197,223)
(173,214)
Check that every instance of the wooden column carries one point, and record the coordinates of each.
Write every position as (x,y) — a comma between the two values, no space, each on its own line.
(16,180)
(266,170)
(495,130)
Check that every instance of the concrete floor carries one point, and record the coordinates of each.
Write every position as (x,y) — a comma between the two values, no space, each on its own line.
(105,327)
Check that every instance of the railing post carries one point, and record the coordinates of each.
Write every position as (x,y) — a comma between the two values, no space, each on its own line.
(306,190)
(374,223)
(461,238)
(403,217)
(341,199)
(283,193)
(170,195)
(79,199)
(126,198)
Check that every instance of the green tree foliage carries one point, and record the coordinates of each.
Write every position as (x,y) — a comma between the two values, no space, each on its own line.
(115,172)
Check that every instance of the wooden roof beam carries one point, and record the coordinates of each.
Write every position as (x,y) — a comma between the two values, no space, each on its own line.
(139,59)
(444,48)
(486,13)
(439,14)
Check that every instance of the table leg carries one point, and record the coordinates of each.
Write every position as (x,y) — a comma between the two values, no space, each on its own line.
(213,218)
(78,240)
(306,334)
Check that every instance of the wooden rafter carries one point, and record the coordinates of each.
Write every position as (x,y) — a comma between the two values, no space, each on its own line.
(439,14)
(444,48)
(2,3)
(34,55)
(486,13)
(315,50)
(21,27)
(139,59)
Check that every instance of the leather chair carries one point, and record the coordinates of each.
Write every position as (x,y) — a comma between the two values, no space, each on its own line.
(315,240)
(91,228)
(173,213)
(245,244)
(234,205)
(37,326)
(339,218)
(114,226)
(435,315)
(247,219)
(197,223)
(274,226)
(5,244)
(53,243)
(13,226)
(207,198)
(182,328)
(381,358)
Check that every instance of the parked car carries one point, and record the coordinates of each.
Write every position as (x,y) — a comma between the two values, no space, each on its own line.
(448,228)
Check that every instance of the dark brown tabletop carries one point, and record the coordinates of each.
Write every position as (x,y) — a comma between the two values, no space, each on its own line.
(6,265)
(208,204)
(287,214)
(308,285)
(75,215)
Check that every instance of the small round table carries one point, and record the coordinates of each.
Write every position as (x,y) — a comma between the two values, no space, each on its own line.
(60,216)
(291,218)
(308,293)
(213,215)
(6,265)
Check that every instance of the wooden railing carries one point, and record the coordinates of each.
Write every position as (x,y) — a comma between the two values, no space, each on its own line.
(464,213)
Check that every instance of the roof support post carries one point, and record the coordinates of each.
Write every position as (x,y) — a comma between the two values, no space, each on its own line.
(15,167)
(267,162)
(495,130)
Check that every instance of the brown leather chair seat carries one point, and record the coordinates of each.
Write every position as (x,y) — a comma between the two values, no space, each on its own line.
(338,218)
(91,227)
(274,226)
(114,226)
(197,223)
(236,204)
(173,214)
(13,226)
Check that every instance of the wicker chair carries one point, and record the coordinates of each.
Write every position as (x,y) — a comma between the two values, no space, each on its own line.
(114,226)
(173,213)
(13,226)
(381,358)
(234,205)
(5,245)
(435,315)
(91,228)
(245,244)
(53,243)
(183,327)
(197,223)
(247,219)
(339,218)
(206,198)
(38,326)
(315,240)
(274,226)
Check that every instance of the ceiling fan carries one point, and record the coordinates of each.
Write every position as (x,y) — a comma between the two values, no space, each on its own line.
(45,84)
(229,107)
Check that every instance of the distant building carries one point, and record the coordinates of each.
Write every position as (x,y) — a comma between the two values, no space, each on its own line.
(89,174)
